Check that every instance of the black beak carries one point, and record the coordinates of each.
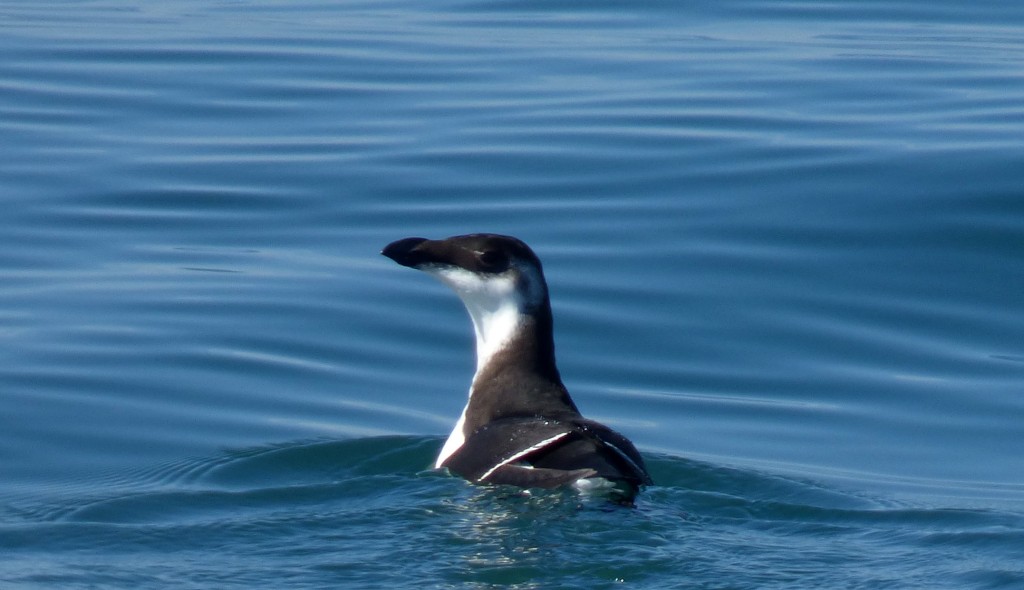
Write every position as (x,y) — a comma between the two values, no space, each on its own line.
(406,252)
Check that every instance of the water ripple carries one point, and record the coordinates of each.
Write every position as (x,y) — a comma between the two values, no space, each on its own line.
(782,240)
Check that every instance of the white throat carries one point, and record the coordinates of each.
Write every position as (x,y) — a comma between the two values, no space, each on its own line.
(495,304)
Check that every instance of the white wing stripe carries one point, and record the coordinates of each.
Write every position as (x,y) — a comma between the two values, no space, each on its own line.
(523,453)
(623,455)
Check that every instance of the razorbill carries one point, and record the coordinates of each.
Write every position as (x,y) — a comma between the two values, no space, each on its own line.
(519,427)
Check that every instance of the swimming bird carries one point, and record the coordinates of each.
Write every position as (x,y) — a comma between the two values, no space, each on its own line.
(520,426)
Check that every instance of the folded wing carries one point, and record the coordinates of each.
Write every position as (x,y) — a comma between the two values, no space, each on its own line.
(546,453)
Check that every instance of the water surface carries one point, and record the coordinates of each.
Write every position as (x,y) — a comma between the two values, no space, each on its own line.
(783,242)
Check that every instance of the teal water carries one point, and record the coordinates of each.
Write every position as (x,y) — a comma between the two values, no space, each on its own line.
(784,243)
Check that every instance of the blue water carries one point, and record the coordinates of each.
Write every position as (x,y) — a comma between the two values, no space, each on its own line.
(784,240)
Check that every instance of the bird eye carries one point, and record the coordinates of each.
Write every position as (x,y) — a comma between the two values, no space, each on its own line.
(493,261)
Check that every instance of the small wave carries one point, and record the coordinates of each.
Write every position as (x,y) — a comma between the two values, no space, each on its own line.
(335,506)
(271,477)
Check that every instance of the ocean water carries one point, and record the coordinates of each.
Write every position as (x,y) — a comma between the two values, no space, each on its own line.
(784,241)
